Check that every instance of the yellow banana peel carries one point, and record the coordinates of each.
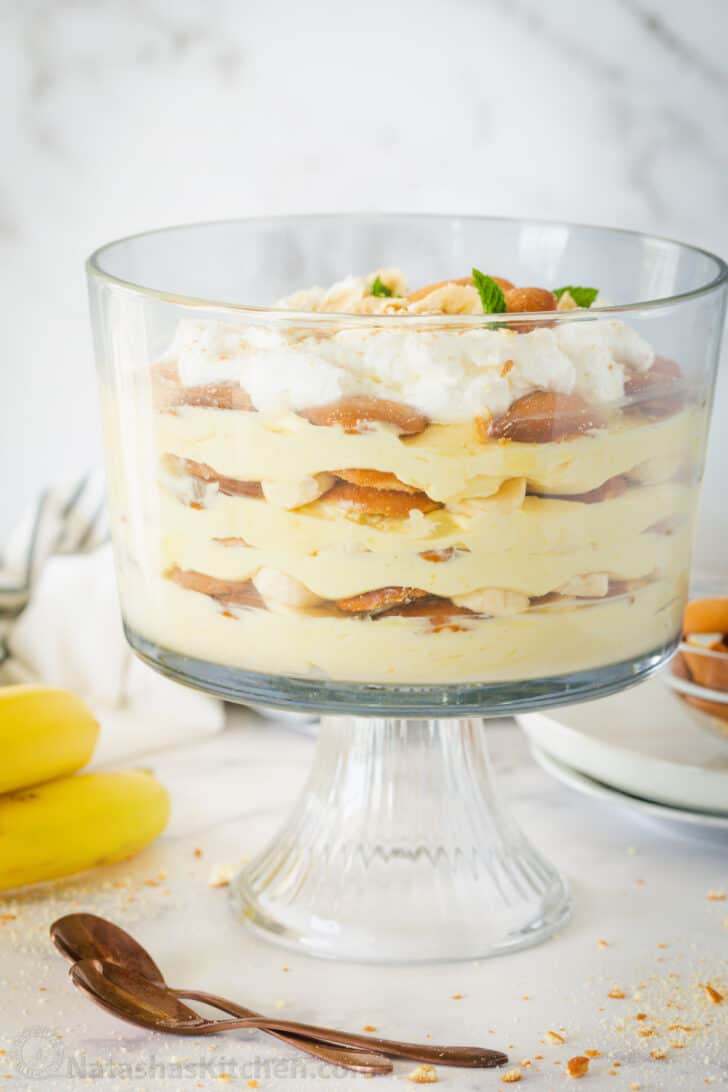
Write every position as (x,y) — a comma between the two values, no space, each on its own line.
(74,823)
(44,734)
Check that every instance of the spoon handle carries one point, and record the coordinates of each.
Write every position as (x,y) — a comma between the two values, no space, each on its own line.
(467,1057)
(358,1060)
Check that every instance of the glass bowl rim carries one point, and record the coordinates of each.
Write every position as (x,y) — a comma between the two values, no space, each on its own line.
(279,314)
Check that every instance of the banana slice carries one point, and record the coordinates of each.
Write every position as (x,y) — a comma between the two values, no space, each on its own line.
(294,494)
(659,469)
(508,498)
(282,593)
(496,601)
(449,299)
(587,586)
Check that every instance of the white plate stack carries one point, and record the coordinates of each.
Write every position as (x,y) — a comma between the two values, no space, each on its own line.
(643,749)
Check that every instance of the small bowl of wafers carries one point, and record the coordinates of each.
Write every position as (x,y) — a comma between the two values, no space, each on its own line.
(698,673)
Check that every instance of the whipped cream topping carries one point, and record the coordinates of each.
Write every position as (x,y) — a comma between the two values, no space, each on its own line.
(449,375)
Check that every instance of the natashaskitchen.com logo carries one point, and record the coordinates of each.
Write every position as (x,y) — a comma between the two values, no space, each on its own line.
(38,1053)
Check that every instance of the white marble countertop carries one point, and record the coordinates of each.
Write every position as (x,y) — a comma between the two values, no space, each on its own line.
(642,924)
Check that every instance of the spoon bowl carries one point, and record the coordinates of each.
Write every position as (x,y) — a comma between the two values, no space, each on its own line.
(130,996)
(86,936)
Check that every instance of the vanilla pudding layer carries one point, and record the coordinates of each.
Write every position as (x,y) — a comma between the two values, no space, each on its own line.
(407,651)
(488,534)
(444,461)
(534,549)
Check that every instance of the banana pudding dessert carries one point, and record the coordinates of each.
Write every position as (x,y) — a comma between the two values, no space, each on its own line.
(378,485)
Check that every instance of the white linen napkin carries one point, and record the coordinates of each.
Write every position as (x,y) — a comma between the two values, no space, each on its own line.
(60,625)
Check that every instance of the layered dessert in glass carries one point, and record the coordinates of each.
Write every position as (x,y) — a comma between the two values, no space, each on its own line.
(407,487)
(409,507)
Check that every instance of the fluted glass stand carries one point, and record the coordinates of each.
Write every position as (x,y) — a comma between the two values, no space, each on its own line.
(400,849)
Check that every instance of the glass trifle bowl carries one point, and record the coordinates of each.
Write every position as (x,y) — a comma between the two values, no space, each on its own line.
(407,472)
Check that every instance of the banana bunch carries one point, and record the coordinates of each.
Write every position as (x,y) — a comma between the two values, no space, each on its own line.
(53,821)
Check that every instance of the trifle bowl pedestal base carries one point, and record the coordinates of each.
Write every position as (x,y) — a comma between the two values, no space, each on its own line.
(399,849)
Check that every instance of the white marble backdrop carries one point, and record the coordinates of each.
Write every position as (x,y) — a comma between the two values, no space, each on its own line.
(120,115)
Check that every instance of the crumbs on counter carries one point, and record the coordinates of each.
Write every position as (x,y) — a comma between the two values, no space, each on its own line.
(423,1074)
(221,875)
(554,1037)
(577,1066)
(113,893)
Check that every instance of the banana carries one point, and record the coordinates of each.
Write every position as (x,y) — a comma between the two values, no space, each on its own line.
(586,586)
(496,601)
(44,733)
(72,824)
(294,494)
(282,592)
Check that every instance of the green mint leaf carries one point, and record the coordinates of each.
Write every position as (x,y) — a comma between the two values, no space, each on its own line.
(491,293)
(582,297)
(379,288)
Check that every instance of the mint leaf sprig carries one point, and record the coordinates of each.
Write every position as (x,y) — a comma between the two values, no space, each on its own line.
(379,288)
(490,292)
(582,297)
